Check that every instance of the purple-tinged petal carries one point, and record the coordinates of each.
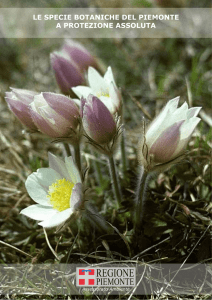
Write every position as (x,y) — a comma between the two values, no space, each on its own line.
(21,111)
(44,126)
(98,121)
(161,122)
(166,144)
(49,121)
(83,102)
(26,96)
(64,106)
(76,196)
(79,54)
(186,131)
(193,112)
(67,73)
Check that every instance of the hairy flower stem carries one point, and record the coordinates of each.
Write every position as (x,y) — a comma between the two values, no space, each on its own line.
(67,149)
(123,154)
(114,180)
(77,156)
(98,172)
(140,201)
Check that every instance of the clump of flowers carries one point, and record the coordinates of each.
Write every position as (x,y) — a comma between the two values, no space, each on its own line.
(97,115)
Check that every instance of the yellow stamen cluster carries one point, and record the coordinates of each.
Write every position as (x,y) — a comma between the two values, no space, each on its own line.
(102,93)
(59,194)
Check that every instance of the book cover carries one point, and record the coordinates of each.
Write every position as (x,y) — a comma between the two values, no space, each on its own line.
(105,149)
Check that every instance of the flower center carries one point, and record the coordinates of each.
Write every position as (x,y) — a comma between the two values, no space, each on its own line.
(104,93)
(59,194)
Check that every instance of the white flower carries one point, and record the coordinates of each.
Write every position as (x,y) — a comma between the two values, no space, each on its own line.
(102,87)
(57,190)
(168,134)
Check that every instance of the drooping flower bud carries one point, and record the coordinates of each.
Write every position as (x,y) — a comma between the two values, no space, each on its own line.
(97,120)
(69,65)
(18,101)
(54,114)
(67,72)
(102,87)
(79,54)
(168,135)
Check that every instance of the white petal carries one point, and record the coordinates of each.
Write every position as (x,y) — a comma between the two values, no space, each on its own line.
(108,102)
(77,101)
(36,191)
(47,176)
(185,132)
(76,196)
(38,212)
(108,77)
(82,91)
(193,112)
(58,165)
(166,144)
(72,170)
(57,219)
(180,113)
(188,127)
(172,104)
(115,95)
(156,127)
(96,82)
(161,122)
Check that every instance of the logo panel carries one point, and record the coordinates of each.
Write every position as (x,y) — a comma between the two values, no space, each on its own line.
(86,277)
(114,276)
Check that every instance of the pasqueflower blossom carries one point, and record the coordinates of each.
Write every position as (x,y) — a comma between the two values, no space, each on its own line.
(67,73)
(162,146)
(57,191)
(18,101)
(79,54)
(97,120)
(69,65)
(54,114)
(102,87)
(168,135)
